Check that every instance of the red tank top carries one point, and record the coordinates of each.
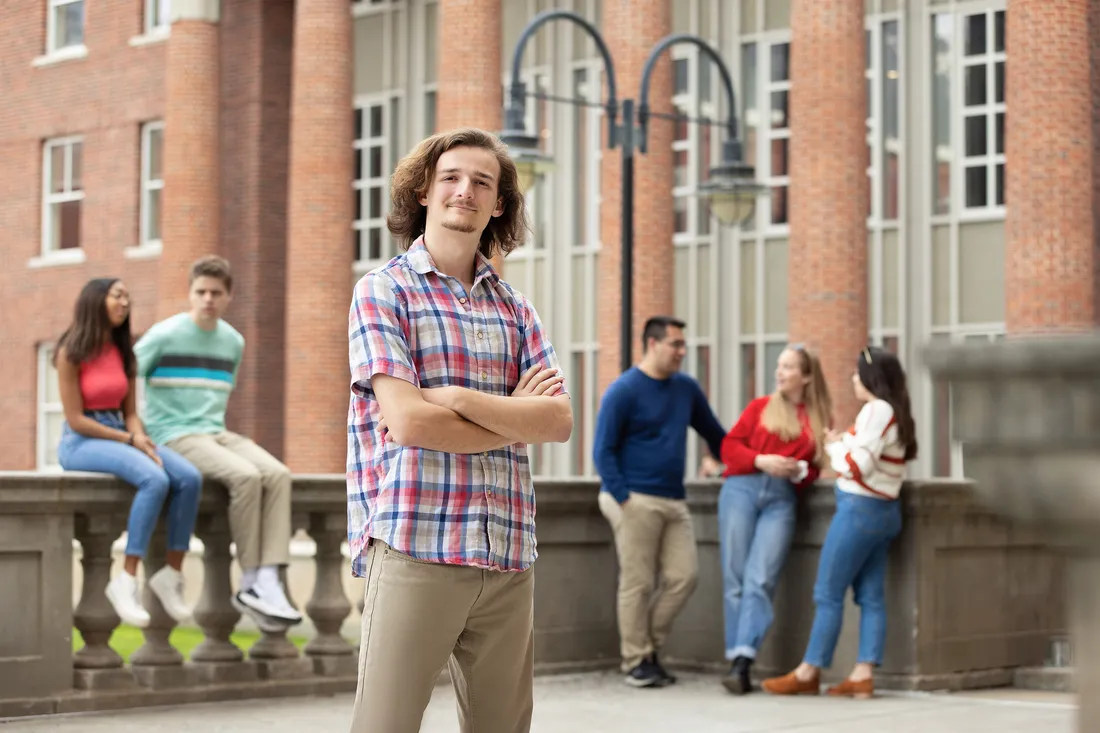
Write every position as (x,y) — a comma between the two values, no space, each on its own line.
(103,381)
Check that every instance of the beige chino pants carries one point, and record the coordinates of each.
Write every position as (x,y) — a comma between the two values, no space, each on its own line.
(420,616)
(259,493)
(658,569)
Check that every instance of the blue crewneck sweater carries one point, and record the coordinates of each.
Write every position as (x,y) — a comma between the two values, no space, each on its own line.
(641,433)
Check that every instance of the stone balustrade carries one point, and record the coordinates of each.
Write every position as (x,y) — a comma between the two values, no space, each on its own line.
(971,596)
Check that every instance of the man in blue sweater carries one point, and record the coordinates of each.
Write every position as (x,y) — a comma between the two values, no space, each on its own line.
(640,453)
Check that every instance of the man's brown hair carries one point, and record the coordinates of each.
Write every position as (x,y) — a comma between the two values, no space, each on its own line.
(413,177)
(212,266)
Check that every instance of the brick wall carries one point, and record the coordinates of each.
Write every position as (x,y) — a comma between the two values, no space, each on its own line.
(469,91)
(631,28)
(256,45)
(319,254)
(827,258)
(104,97)
(1050,275)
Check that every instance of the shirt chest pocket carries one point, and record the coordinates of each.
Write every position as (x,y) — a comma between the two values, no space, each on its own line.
(478,347)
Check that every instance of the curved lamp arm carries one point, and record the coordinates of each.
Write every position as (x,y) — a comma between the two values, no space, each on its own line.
(727,82)
(517,103)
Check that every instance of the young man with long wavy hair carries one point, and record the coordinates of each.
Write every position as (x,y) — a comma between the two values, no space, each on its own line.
(452,375)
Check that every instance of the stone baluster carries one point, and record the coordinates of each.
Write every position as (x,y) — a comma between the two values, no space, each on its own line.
(275,655)
(328,607)
(96,665)
(158,664)
(216,658)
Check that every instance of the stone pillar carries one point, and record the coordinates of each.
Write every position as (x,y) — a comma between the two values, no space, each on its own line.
(329,606)
(1050,276)
(191,149)
(319,249)
(632,28)
(96,665)
(470,92)
(827,254)
(217,658)
(256,47)
(156,663)
(1024,409)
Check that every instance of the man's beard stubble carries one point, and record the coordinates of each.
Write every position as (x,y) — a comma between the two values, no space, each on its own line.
(459,226)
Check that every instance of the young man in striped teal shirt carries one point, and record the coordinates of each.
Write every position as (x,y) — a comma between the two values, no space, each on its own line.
(189,362)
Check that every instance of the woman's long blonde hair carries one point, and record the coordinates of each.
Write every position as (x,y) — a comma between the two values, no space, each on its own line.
(780,417)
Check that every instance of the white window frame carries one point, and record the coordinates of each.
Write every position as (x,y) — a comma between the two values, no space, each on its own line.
(49,199)
(877,224)
(149,184)
(43,409)
(155,25)
(387,143)
(955,331)
(764,230)
(52,47)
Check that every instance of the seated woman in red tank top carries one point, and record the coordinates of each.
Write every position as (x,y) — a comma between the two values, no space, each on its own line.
(103,433)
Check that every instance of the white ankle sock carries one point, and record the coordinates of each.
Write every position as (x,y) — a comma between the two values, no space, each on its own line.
(248,579)
(268,576)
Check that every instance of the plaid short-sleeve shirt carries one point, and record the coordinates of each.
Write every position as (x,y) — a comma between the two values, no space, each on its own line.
(410,321)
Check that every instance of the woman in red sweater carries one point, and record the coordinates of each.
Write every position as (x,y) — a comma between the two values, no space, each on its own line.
(774,450)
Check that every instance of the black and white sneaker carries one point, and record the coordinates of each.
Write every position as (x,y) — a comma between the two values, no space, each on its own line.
(263,621)
(666,677)
(644,675)
(269,604)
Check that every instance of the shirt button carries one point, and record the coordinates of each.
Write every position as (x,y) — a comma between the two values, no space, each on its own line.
(480,334)
(462,300)
(484,375)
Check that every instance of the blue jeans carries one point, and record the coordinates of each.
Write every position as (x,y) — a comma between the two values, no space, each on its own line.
(178,481)
(756,518)
(854,554)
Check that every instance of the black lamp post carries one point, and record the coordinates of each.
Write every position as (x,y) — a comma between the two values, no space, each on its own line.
(730,190)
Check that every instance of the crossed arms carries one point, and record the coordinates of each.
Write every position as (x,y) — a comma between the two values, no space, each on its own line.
(460,420)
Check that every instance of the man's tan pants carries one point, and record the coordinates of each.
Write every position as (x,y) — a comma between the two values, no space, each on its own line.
(417,616)
(259,493)
(654,538)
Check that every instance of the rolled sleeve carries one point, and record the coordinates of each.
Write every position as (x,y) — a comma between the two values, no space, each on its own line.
(537,348)
(377,342)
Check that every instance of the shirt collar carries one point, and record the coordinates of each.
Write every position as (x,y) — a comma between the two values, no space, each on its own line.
(420,259)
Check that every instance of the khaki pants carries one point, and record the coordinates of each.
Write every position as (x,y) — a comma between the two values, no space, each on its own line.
(259,493)
(654,538)
(416,616)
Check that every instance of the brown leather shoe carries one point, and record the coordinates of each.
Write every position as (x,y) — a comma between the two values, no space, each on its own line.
(789,684)
(861,690)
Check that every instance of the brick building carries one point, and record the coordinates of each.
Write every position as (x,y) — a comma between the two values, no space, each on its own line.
(137,135)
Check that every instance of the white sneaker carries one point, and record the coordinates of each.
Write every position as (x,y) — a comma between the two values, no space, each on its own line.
(122,592)
(271,602)
(167,585)
(264,623)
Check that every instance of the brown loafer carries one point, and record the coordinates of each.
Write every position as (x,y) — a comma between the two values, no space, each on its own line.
(861,690)
(789,684)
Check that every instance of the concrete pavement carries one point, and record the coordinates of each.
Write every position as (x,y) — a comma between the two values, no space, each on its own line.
(600,703)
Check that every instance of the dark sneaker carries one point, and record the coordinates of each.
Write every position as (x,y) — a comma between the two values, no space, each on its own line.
(737,680)
(666,678)
(644,675)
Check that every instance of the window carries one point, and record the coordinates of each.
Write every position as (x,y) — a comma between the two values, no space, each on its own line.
(886,239)
(375,124)
(64,25)
(968,111)
(50,414)
(63,194)
(152,181)
(157,15)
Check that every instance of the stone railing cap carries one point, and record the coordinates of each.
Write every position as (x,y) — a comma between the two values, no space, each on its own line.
(1047,355)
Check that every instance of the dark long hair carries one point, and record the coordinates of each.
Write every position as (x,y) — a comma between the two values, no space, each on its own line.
(91,328)
(882,375)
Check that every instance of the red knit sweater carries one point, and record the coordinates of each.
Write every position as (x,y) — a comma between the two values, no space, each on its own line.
(748,439)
